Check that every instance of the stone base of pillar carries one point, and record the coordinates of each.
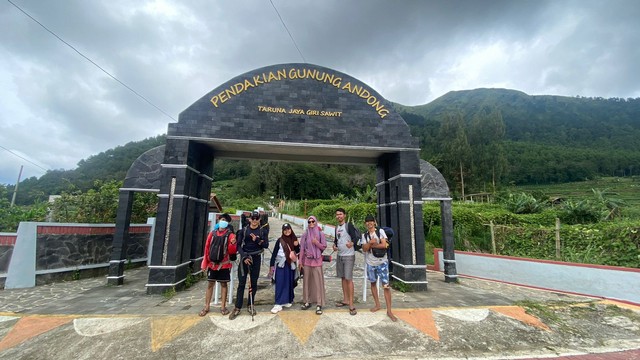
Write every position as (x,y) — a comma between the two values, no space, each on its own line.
(116,273)
(414,275)
(450,273)
(165,278)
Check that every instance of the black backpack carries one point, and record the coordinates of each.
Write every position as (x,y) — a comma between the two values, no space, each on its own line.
(218,247)
(389,232)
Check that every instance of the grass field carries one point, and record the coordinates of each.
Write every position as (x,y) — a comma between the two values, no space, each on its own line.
(623,188)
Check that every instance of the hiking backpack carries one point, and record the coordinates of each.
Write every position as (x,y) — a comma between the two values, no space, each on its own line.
(218,247)
(389,232)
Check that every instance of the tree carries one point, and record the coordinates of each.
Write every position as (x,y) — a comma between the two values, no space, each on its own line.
(100,205)
(455,149)
(11,216)
(485,139)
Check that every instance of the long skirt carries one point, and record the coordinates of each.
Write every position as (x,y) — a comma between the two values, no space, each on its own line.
(313,285)
(284,284)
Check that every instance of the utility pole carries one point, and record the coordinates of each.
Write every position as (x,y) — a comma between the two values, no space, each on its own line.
(15,188)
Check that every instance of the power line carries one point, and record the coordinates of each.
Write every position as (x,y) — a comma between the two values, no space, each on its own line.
(288,32)
(25,159)
(91,61)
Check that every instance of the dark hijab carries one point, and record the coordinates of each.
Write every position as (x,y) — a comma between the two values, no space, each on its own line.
(288,240)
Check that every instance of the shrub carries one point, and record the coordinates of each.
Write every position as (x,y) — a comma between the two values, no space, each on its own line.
(523,203)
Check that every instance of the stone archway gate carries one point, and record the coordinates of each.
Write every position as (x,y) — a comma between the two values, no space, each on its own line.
(288,112)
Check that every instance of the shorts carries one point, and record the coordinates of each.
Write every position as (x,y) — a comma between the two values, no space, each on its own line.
(344,266)
(379,271)
(222,275)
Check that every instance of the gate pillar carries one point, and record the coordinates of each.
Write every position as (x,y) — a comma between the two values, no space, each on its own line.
(179,219)
(400,207)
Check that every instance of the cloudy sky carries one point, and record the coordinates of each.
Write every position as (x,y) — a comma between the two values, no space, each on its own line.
(58,108)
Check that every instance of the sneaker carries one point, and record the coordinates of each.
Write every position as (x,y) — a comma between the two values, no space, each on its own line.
(234,314)
(251,310)
(287,305)
(276,309)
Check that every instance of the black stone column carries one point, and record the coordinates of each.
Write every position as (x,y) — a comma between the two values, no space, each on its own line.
(171,256)
(120,238)
(449,258)
(200,218)
(400,206)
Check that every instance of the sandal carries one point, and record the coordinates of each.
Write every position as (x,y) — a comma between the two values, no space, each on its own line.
(353,311)
(224,311)
(318,310)
(203,312)
(305,306)
(341,304)
(234,314)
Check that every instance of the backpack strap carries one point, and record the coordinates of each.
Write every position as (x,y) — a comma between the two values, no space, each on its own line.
(282,245)
(367,236)
(354,234)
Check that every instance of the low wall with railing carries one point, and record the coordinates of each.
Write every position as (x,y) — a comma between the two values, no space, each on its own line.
(46,252)
(611,282)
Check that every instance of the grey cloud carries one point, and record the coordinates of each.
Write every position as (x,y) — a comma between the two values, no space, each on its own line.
(410,51)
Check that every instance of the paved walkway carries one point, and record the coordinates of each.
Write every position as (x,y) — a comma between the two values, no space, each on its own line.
(87,319)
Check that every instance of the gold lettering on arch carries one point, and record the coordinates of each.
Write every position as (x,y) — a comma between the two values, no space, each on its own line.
(358,90)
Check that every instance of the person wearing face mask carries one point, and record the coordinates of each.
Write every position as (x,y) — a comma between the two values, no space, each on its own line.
(221,243)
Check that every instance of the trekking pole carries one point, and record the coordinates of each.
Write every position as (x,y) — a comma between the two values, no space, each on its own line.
(251,309)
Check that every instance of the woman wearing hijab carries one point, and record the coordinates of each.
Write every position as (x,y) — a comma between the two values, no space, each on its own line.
(283,267)
(312,244)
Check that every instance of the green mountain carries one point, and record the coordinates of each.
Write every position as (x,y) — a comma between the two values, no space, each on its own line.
(576,121)
(496,136)
(547,139)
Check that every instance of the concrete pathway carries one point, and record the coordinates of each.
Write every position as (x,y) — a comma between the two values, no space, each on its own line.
(87,319)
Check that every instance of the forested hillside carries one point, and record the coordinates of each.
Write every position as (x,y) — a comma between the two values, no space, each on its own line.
(108,165)
(542,139)
(484,138)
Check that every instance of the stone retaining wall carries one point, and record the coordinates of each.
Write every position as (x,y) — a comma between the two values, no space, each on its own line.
(72,250)
(49,252)
(5,257)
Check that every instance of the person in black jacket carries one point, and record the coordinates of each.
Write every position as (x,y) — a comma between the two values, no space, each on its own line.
(251,242)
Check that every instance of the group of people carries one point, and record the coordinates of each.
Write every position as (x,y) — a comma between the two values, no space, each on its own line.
(294,258)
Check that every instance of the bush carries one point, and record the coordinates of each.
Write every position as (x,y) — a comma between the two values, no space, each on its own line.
(246,204)
(471,223)
(613,244)
(10,217)
(582,212)
(523,203)
(100,205)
